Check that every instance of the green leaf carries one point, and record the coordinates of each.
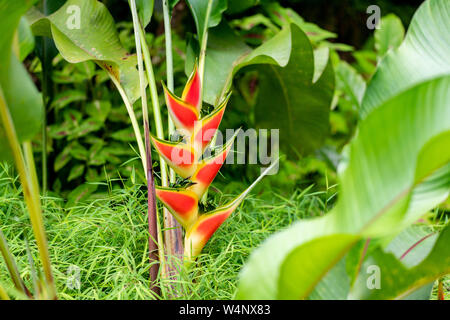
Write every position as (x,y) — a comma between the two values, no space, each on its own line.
(285,81)
(237,6)
(67,97)
(90,35)
(398,277)
(390,35)
(26,39)
(377,185)
(22,97)
(199,10)
(80,194)
(350,83)
(422,56)
(99,109)
(76,172)
(62,159)
(145,11)
(286,16)
(126,135)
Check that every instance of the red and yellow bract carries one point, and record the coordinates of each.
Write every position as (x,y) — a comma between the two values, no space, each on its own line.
(185,159)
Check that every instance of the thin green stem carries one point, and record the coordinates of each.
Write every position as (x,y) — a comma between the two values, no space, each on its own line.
(44,130)
(174,233)
(3,294)
(201,67)
(29,159)
(203,45)
(169,63)
(11,265)
(134,122)
(31,195)
(155,101)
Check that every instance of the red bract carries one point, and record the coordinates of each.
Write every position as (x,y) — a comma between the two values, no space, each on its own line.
(185,159)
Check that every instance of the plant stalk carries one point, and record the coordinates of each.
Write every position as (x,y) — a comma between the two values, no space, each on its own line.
(201,70)
(12,266)
(172,235)
(134,122)
(174,232)
(31,195)
(203,45)
(153,222)
(3,294)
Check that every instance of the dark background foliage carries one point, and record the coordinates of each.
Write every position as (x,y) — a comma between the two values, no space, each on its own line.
(90,136)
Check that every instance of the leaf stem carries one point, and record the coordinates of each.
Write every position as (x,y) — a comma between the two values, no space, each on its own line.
(173,234)
(12,266)
(3,294)
(134,122)
(169,63)
(31,195)
(204,42)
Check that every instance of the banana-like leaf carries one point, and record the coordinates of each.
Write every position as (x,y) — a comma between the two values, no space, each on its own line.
(26,39)
(84,30)
(350,83)
(22,97)
(390,35)
(401,276)
(289,99)
(398,146)
(145,11)
(199,11)
(422,56)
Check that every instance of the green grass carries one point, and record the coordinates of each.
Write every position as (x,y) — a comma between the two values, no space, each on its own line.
(106,239)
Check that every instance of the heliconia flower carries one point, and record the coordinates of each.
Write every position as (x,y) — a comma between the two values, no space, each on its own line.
(182,203)
(208,168)
(179,156)
(185,159)
(191,92)
(198,235)
(183,114)
(206,127)
(185,111)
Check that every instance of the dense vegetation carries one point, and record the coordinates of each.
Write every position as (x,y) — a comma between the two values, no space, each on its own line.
(364,168)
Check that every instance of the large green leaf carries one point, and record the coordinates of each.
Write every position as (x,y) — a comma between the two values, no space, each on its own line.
(350,83)
(145,11)
(23,99)
(289,99)
(199,10)
(398,146)
(398,278)
(94,38)
(390,35)
(422,56)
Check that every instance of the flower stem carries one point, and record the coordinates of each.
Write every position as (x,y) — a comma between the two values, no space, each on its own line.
(174,232)
(153,220)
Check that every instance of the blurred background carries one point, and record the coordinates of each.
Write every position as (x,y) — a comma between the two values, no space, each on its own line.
(90,139)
